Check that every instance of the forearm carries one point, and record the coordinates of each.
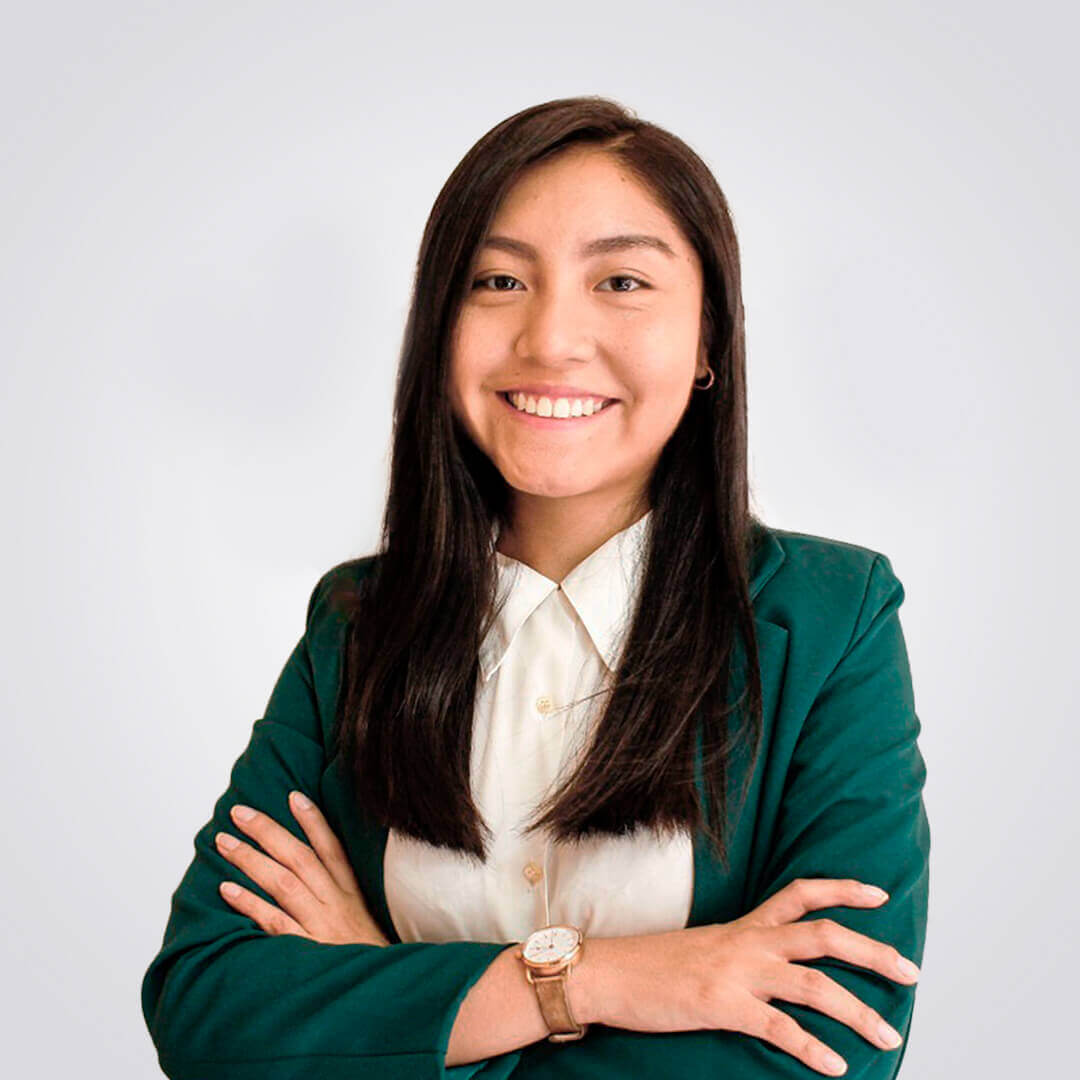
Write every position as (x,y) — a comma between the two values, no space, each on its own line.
(500,1013)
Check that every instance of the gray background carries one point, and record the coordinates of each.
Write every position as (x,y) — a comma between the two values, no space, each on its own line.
(211,214)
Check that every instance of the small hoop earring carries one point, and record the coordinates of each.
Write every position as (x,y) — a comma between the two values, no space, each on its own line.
(705,386)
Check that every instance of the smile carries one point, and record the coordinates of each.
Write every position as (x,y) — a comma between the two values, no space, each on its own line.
(552,422)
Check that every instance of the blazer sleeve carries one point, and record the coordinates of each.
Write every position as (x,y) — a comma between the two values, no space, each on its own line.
(224,1000)
(852,808)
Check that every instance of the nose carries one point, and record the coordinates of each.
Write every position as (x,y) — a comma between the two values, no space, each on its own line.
(556,330)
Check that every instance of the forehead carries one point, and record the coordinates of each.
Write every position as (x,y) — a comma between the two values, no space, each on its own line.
(579,196)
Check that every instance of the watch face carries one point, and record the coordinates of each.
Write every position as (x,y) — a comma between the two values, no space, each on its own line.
(551,944)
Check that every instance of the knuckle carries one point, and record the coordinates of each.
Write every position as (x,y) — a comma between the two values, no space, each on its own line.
(814,985)
(287,881)
(747,933)
(738,1016)
(827,930)
(275,924)
(307,860)
(781,1028)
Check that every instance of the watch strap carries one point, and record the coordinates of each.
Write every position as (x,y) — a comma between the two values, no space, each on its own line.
(554,1004)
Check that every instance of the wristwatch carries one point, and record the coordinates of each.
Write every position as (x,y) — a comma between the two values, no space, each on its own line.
(549,955)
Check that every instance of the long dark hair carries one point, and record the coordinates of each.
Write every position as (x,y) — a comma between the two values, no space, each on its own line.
(418,614)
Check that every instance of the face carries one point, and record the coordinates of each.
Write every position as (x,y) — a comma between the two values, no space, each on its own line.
(553,313)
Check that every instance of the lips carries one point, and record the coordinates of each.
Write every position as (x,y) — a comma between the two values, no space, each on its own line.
(549,421)
(554,392)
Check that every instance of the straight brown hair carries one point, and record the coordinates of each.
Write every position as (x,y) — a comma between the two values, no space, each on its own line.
(418,615)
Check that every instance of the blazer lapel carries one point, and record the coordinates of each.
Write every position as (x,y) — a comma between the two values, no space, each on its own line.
(718,892)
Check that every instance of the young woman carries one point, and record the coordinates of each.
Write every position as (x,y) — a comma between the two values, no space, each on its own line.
(597,765)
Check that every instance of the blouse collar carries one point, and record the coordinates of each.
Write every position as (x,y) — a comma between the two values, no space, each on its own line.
(602,589)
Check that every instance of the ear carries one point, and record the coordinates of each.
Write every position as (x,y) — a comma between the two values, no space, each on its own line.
(703,364)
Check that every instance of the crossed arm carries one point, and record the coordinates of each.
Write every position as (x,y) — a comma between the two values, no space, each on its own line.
(229,998)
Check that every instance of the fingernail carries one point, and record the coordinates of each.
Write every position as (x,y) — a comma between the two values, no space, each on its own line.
(226,841)
(301,800)
(906,967)
(243,813)
(835,1064)
(888,1036)
(875,893)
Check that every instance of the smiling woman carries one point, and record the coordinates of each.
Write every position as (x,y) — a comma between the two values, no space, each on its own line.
(585,740)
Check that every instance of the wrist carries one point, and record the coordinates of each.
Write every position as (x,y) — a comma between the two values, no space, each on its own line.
(586,992)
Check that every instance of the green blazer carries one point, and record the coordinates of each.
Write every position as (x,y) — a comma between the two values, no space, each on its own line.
(836,792)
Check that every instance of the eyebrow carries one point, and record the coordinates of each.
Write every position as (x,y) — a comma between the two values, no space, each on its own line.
(602,246)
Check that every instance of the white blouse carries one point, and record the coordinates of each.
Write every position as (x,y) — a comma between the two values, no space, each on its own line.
(550,645)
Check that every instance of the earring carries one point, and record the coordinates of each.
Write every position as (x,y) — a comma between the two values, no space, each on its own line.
(705,386)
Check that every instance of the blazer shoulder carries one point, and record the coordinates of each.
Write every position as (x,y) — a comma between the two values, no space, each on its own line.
(828,586)
(808,553)
(336,592)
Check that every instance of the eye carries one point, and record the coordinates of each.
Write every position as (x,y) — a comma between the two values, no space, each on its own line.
(508,277)
(627,277)
(495,277)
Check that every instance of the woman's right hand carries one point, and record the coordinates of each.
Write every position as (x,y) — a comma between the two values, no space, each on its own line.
(722,976)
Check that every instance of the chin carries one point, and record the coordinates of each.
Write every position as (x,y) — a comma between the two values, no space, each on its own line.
(545,486)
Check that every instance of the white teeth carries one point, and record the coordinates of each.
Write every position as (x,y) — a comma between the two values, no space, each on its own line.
(560,408)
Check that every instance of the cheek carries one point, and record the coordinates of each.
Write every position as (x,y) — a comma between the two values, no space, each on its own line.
(657,405)
(454,395)
(465,383)
(469,367)
(660,383)
(658,420)
(459,376)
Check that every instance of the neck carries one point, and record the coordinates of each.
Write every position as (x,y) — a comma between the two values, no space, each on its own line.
(552,535)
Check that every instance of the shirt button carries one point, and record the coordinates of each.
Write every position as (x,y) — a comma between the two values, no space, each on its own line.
(533,873)
(544,705)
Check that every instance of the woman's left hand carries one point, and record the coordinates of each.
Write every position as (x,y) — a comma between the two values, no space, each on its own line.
(315,886)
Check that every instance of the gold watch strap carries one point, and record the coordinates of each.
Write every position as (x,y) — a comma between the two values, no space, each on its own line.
(551,993)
